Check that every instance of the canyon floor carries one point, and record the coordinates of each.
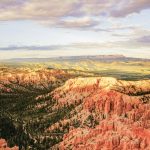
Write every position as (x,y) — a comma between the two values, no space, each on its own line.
(87,105)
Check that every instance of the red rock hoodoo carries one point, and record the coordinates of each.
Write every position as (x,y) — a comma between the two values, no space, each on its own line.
(112,114)
(4,146)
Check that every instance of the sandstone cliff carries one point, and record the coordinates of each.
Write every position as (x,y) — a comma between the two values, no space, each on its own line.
(110,113)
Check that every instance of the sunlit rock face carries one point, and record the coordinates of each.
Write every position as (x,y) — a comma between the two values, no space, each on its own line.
(111,114)
(80,113)
(39,79)
(4,146)
(20,90)
(27,75)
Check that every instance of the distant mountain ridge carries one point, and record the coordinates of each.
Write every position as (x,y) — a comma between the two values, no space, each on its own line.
(105,58)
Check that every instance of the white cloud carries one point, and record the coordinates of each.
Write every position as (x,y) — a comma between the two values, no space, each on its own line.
(129,7)
(85,14)
(52,11)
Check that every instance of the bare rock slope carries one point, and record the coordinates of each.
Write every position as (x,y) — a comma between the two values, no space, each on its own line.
(57,110)
(108,114)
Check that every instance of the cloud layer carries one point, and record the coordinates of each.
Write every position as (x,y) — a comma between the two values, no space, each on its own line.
(82,12)
(111,19)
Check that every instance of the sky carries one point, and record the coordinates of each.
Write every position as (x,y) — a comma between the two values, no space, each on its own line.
(51,28)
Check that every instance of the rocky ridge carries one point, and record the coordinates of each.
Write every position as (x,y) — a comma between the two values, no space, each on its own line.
(108,114)
(81,113)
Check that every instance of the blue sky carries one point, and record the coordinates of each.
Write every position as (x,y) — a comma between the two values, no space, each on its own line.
(37,28)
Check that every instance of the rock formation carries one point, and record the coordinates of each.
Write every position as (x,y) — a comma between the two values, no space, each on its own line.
(112,114)
(4,146)
(82,113)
